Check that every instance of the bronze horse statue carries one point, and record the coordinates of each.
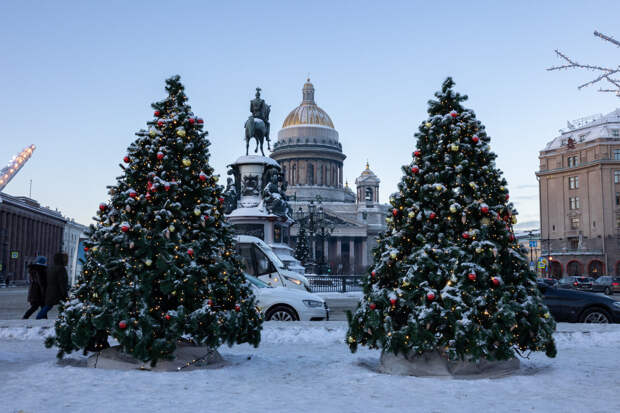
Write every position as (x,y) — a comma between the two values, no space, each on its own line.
(256,128)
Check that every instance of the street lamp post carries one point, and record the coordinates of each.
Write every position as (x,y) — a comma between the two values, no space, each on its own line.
(318,230)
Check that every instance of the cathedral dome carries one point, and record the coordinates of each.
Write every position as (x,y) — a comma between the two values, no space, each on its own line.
(308,113)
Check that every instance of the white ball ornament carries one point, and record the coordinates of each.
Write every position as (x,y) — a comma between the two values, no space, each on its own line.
(452,209)
(152,132)
(454,147)
(196,211)
(171,228)
(148,262)
(181,132)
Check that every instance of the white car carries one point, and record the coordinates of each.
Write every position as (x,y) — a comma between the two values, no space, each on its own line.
(285,304)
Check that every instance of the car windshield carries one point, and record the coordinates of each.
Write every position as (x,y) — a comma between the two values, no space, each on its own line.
(274,258)
(603,280)
(256,282)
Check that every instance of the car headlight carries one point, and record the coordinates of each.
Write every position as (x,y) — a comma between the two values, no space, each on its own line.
(293,280)
(616,304)
(313,303)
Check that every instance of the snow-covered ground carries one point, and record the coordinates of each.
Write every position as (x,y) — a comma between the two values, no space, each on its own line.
(306,367)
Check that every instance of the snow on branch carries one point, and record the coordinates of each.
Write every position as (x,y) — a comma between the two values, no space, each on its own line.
(604,73)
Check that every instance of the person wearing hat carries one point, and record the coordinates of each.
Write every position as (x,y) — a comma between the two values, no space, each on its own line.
(38,279)
(57,284)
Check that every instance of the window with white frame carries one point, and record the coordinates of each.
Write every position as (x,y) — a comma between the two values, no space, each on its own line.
(615,133)
(616,177)
(617,154)
(572,161)
(573,202)
(574,222)
(573,182)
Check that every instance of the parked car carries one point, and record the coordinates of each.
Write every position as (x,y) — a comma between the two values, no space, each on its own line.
(579,306)
(603,284)
(550,281)
(568,282)
(260,261)
(583,283)
(285,304)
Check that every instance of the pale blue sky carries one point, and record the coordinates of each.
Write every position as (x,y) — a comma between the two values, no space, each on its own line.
(77,79)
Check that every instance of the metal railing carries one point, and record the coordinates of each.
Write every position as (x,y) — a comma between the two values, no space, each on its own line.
(335,283)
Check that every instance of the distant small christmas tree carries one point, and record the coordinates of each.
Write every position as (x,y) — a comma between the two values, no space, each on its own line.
(448,274)
(160,263)
(301,247)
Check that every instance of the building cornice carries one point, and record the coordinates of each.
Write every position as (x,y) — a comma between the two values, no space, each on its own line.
(586,165)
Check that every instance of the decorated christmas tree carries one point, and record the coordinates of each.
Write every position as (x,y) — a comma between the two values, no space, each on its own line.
(301,246)
(448,275)
(160,262)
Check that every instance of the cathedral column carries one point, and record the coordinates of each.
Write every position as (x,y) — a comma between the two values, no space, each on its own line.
(326,250)
(352,255)
(338,252)
(364,253)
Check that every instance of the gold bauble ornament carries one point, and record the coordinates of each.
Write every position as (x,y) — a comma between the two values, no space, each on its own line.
(388,220)
(485,221)
(171,228)
(473,185)
(181,132)
(479,250)
(351,340)
(152,133)
(411,214)
(452,209)
(428,124)
(454,147)
(406,283)
(186,162)
(514,220)
(196,211)
(546,315)
(393,256)
(148,262)
(501,188)
(438,187)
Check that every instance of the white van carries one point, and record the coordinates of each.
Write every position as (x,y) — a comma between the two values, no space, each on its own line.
(259,260)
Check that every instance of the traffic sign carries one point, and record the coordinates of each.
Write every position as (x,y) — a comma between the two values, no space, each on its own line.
(533,244)
(14,255)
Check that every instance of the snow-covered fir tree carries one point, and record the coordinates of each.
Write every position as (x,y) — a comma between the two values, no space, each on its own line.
(301,246)
(160,262)
(448,274)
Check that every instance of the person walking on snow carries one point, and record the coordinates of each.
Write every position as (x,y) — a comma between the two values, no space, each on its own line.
(38,280)
(57,280)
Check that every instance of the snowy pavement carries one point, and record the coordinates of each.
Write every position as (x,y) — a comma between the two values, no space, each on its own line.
(306,367)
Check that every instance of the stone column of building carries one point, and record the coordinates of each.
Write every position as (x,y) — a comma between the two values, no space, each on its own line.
(326,249)
(352,255)
(338,250)
(364,254)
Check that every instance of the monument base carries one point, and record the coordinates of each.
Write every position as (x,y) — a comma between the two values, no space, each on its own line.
(435,364)
(187,357)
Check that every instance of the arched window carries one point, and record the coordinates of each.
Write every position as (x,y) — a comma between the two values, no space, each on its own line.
(555,269)
(574,268)
(596,268)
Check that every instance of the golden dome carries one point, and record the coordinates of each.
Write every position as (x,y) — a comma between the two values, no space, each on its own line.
(367,171)
(308,113)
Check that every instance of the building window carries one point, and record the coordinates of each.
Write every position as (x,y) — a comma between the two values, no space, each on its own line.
(573,182)
(573,202)
(572,161)
(617,198)
(616,177)
(617,154)
(615,133)
(573,243)
(574,223)
(618,221)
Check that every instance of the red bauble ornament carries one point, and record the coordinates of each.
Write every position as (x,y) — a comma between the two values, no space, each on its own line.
(430,296)
(191,121)
(393,301)
(475,139)
(167,186)
(432,215)
(207,217)
(415,169)
(237,307)
(125,227)
(199,120)
(511,237)
(221,200)
(202,176)
(160,123)
(471,276)
(148,196)
(484,209)
(190,251)
(160,155)
(167,316)
(157,113)
(86,249)
(507,197)
(454,114)
(102,206)
(465,235)
(132,193)
(495,281)
(417,153)
(373,274)
(122,325)
(372,306)
(126,159)
(209,302)
(395,212)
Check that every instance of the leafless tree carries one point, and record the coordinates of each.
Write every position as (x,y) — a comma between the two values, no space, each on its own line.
(607,74)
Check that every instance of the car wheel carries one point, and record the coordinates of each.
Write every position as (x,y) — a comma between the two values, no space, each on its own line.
(281,313)
(608,291)
(595,315)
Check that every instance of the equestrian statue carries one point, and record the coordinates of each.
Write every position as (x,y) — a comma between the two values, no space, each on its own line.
(257,125)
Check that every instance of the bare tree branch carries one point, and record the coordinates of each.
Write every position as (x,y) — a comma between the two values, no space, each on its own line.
(605,73)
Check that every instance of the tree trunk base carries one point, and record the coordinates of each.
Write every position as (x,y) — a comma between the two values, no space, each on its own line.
(187,357)
(437,365)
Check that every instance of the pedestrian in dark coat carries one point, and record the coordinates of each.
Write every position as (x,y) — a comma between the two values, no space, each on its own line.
(57,284)
(38,281)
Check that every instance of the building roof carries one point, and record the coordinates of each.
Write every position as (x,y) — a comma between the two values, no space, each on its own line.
(308,113)
(367,176)
(588,129)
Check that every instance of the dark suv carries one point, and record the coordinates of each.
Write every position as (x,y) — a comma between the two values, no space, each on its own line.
(578,306)
(606,284)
